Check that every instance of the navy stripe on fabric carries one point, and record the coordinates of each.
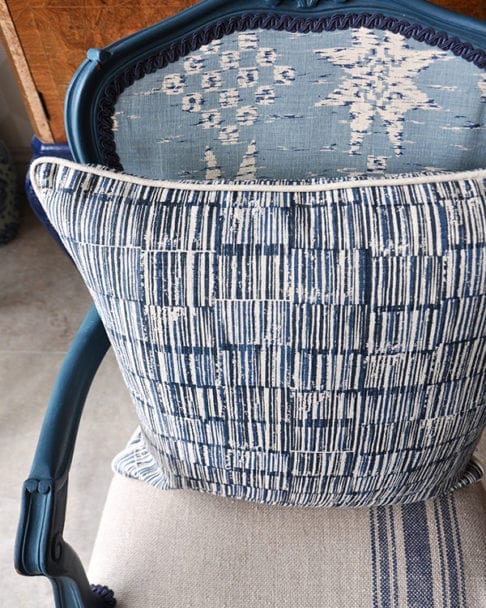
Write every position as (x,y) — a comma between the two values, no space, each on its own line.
(384,558)
(450,550)
(460,555)
(394,557)
(420,589)
(374,558)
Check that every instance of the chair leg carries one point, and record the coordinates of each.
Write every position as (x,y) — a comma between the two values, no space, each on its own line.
(71,594)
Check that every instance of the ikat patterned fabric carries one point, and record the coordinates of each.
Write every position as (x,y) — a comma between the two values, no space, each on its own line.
(317,343)
(277,105)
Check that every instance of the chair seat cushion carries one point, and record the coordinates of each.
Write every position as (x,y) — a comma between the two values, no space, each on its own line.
(186,549)
(305,343)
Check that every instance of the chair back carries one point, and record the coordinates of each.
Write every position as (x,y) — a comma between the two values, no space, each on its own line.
(286,90)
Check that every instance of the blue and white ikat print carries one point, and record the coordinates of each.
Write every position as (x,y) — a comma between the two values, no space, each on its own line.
(316,343)
(274,105)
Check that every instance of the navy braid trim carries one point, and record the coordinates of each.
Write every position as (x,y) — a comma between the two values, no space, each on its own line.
(105,593)
(267,21)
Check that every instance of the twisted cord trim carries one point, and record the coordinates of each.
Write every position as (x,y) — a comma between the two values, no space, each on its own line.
(105,593)
(267,21)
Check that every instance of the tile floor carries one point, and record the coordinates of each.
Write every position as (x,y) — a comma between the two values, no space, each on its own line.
(42,301)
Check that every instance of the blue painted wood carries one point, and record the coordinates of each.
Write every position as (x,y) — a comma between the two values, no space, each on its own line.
(40,548)
(39,149)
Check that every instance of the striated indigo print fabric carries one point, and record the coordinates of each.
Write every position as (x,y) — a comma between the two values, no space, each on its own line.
(279,105)
(318,343)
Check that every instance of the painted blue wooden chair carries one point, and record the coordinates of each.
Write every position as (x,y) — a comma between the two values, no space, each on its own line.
(276,92)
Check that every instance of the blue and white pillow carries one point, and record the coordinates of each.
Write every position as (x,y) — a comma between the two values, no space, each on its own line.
(320,343)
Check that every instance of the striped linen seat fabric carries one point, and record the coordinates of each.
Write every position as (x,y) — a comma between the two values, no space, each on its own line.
(316,343)
(214,551)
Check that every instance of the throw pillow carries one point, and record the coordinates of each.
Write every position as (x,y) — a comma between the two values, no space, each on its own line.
(316,343)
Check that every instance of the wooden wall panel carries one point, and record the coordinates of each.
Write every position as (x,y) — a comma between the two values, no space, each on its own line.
(23,73)
(472,8)
(55,34)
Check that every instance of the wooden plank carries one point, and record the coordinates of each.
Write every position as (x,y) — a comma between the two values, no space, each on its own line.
(23,75)
(56,34)
(472,8)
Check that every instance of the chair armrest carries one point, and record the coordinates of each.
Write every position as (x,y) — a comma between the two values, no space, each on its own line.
(40,548)
(55,448)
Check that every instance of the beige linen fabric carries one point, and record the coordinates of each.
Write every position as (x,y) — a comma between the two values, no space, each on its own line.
(184,549)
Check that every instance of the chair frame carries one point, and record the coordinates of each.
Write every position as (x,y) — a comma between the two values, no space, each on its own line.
(40,547)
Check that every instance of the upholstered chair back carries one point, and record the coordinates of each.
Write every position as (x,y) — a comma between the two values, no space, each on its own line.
(262,96)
